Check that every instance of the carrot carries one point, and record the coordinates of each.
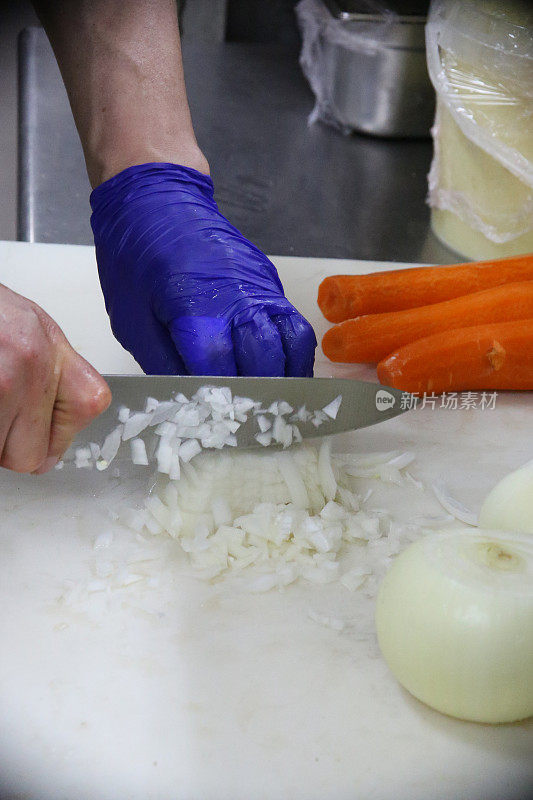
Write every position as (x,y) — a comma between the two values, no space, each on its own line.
(495,356)
(372,337)
(342,297)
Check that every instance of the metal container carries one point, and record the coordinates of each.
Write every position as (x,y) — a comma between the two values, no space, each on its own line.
(380,86)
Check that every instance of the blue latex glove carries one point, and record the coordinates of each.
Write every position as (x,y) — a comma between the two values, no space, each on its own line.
(185,291)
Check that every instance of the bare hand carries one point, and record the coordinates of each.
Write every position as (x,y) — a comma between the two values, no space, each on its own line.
(48,393)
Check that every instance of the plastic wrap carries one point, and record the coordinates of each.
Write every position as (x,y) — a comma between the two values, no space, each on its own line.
(480,61)
(320,33)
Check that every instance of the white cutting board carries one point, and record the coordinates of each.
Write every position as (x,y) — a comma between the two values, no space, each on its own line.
(173,689)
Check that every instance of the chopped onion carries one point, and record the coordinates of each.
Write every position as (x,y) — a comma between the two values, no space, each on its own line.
(150,405)
(324,572)
(453,506)
(325,470)
(294,480)
(83,453)
(401,461)
(232,511)
(164,412)
(284,408)
(166,429)
(104,569)
(175,468)
(332,409)
(302,415)
(242,405)
(164,455)
(135,424)
(138,452)
(103,540)
(133,519)
(455,623)
(82,458)
(189,449)
(355,578)
(111,445)
(264,423)
(95,450)
(209,420)
(285,515)
(123,414)
(158,510)
(221,512)
(282,431)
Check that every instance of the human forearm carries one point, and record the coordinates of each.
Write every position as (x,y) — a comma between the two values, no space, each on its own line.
(121,63)
(185,291)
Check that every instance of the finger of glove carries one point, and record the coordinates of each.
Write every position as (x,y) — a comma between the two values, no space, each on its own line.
(156,352)
(299,343)
(204,344)
(258,348)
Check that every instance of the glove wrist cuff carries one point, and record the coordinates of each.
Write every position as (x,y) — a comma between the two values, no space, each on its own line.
(147,176)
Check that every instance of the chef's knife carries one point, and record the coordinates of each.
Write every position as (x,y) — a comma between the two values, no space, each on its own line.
(362,403)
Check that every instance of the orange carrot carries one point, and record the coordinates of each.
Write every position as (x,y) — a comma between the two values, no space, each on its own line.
(489,357)
(342,297)
(372,337)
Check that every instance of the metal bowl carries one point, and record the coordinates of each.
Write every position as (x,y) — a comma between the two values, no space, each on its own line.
(383,89)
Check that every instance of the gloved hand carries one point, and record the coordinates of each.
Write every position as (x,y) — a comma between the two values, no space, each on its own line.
(185,291)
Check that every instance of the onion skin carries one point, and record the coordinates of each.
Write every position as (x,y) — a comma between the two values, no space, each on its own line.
(458,633)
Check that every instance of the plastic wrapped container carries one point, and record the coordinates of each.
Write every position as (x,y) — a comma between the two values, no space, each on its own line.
(480,60)
(366,64)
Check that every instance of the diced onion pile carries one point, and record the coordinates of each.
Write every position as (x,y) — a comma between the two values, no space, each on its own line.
(289,514)
(286,513)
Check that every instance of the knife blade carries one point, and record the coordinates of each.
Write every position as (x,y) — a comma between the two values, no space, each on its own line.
(362,403)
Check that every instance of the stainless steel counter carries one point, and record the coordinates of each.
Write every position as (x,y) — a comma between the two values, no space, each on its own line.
(292,189)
